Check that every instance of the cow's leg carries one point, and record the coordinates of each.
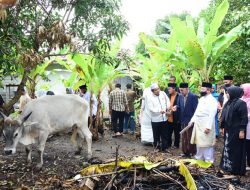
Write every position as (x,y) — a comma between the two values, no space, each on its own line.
(41,146)
(28,152)
(80,142)
(84,132)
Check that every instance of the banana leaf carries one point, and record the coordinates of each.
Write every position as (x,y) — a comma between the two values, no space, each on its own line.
(214,26)
(224,41)
(188,41)
(188,177)
(200,163)
(139,161)
(201,30)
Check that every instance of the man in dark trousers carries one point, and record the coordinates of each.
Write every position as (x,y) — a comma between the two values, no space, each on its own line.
(118,105)
(174,116)
(188,104)
(1,102)
(129,117)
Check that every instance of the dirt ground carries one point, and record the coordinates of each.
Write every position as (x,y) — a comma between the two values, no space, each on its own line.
(61,163)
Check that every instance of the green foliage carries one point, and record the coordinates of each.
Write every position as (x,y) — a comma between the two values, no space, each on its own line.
(155,67)
(92,70)
(235,59)
(30,23)
(204,48)
(189,55)
(163,27)
(35,30)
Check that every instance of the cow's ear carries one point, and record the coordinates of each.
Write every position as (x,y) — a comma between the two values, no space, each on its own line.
(26,117)
(31,124)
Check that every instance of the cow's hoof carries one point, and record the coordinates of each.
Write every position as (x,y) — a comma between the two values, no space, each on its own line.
(38,167)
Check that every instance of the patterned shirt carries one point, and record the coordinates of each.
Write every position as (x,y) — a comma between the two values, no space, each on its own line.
(118,100)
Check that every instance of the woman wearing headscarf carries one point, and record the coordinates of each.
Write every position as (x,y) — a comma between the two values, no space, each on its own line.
(246,98)
(233,127)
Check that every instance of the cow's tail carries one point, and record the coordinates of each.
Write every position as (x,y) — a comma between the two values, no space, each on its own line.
(74,135)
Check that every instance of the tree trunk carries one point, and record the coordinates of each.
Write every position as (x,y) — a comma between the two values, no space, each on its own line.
(98,125)
(8,107)
(91,112)
(32,88)
(93,130)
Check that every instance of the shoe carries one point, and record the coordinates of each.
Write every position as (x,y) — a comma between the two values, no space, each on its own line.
(125,132)
(117,134)
(248,168)
(209,161)
(165,151)
(185,155)
(174,147)
(132,133)
(156,150)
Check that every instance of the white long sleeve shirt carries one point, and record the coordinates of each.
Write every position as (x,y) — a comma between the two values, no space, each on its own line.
(156,104)
(207,108)
(87,96)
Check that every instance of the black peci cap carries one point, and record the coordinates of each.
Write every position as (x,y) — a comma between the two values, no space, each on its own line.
(207,85)
(173,85)
(228,77)
(184,85)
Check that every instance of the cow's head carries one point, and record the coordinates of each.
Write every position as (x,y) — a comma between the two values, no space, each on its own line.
(12,132)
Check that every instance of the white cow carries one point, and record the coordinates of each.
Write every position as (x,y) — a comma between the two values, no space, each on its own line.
(44,116)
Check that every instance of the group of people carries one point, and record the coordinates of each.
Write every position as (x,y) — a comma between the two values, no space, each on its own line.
(122,111)
(196,119)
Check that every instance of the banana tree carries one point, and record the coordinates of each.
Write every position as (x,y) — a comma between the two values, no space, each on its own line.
(35,76)
(203,47)
(161,63)
(89,70)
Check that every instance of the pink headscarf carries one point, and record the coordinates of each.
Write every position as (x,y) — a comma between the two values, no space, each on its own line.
(246,96)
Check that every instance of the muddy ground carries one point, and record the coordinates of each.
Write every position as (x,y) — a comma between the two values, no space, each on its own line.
(61,163)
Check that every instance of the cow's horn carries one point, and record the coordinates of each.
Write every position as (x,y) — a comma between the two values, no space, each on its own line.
(3,115)
(26,117)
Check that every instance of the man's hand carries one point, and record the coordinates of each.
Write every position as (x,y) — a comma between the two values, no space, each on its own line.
(222,132)
(242,135)
(174,108)
(127,110)
(110,112)
(162,111)
(190,123)
(207,131)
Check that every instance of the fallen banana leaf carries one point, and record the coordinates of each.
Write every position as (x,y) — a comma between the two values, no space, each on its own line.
(139,161)
(200,163)
(188,177)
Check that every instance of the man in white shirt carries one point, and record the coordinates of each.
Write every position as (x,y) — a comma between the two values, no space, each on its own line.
(203,134)
(145,119)
(158,105)
(87,96)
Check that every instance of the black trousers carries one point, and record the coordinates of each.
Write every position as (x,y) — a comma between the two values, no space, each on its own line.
(248,152)
(160,134)
(176,128)
(117,115)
